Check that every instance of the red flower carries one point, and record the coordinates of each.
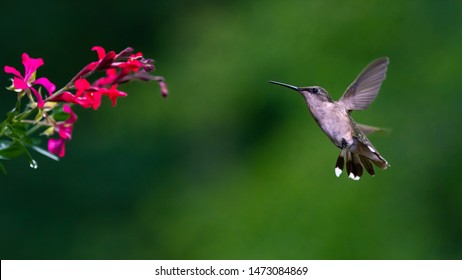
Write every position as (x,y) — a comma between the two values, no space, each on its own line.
(64,130)
(26,82)
(112,93)
(90,96)
(85,95)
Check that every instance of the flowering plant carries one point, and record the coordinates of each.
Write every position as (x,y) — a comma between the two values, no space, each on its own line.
(50,114)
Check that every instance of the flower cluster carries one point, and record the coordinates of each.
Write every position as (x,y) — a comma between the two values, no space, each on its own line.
(53,110)
(119,68)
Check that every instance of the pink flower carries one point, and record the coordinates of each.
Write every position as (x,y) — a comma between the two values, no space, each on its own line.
(90,96)
(113,93)
(82,97)
(108,80)
(57,146)
(86,96)
(64,130)
(121,68)
(26,82)
(163,88)
(133,63)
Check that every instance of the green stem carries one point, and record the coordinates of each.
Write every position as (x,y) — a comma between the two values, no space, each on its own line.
(24,114)
(28,154)
(33,129)
(10,117)
(59,92)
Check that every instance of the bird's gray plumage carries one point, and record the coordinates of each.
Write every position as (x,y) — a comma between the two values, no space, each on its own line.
(334,118)
(364,89)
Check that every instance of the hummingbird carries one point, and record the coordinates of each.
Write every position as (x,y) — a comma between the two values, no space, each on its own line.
(334,118)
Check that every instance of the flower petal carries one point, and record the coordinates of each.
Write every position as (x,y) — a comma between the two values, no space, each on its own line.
(113,93)
(50,87)
(70,98)
(163,88)
(95,99)
(81,85)
(100,51)
(30,65)
(19,83)
(124,54)
(40,102)
(108,80)
(107,61)
(90,67)
(72,116)
(57,147)
(65,131)
(12,70)
(65,96)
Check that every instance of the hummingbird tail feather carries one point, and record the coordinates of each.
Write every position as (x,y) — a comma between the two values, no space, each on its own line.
(353,166)
(358,168)
(369,152)
(349,163)
(340,163)
(367,164)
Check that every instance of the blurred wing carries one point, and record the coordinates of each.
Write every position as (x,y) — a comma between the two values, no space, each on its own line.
(367,129)
(365,88)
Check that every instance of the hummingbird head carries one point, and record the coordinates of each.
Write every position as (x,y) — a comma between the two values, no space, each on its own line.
(311,93)
(315,93)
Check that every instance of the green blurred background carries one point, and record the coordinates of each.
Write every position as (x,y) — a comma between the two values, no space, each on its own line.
(230,166)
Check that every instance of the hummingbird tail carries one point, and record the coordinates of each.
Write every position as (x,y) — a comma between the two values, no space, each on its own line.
(368,152)
(340,163)
(357,162)
(367,164)
(353,164)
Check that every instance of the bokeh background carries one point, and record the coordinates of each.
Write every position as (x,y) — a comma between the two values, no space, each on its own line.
(230,166)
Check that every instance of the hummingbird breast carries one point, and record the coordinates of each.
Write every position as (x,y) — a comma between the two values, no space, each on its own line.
(336,123)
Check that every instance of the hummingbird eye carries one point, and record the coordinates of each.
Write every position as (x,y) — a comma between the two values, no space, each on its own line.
(313,90)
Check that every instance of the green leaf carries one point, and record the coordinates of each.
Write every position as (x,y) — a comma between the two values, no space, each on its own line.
(15,130)
(10,149)
(4,144)
(2,167)
(45,152)
(59,115)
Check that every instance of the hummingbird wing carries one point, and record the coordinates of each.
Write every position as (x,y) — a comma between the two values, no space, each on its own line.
(360,94)
(367,129)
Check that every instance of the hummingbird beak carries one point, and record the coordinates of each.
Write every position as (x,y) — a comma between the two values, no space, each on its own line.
(285,85)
